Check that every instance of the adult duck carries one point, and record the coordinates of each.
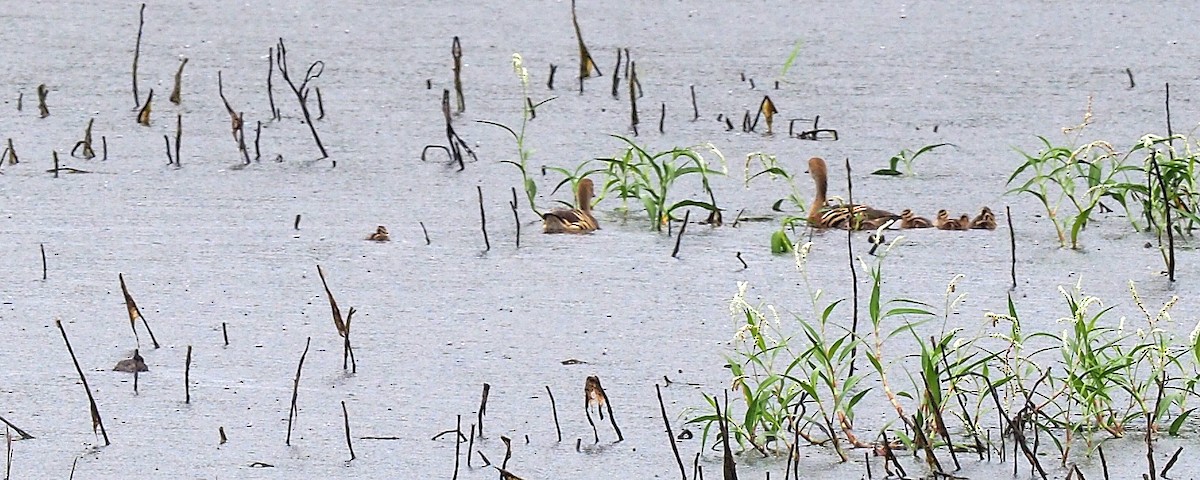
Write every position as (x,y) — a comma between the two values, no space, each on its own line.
(576,220)
(986,220)
(910,220)
(820,215)
(944,222)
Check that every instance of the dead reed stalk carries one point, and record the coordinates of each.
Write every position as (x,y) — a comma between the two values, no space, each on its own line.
(483,407)
(42,92)
(187,375)
(594,395)
(343,326)
(137,50)
(86,143)
(134,314)
(554,412)
(176,92)
(456,52)
(143,116)
(301,90)
(586,64)
(97,420)
(293,411)
(346,419)
(667,424)
(456,146)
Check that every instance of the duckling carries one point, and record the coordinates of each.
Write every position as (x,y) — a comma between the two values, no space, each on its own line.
(986,220)
(131,365)
(380,235)
(944,222)
(859,217)
(577,220)
(910,220)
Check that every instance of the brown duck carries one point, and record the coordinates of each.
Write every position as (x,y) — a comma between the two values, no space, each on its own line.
(380,235)
(944,222)
(576,220)
(910,220)
(858,217)
(986,220)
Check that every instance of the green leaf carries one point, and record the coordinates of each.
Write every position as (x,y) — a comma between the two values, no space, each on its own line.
(891,172)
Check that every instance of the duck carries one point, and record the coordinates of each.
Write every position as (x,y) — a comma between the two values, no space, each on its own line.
(380,235)
(132,365)
(909,220)
(854,216)
(576,220)
(944,222)
(986,220)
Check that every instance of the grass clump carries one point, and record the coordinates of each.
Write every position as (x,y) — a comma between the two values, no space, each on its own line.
(650,178)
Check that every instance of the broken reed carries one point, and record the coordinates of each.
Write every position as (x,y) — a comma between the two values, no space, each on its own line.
(42,92)
(487,245)
(314,71)
(293,411)
(177,91)
(554,412)
(343,326)
(137,51)
(86,143)
(187,375)
(97,420)
(455,145)
(667,424)
(346,419)
(143,116)
(135,313)
(586,64)
(456,52)
(271,88)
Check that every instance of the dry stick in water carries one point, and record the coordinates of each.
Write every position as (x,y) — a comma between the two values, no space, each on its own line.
(729,468)
(586,64)
(616,75)
(270,88)
(24,436)
(301,91)
(43,247)
(241,137)
(456,144)
(483,407)
(550,82)
(1130,74)
(682,228)
(178,89)
(662,116)
(187,375)
(320,104)
(135,313)
(343,327)
(143,116)
(1162,186)
(167,147)
(296,224)
(225,333)
(42,92)
(293,411)
(104,148)
(854,223)
(1103,461)
(137,50)
(221,432)
(1012,242)
(1170,463)
(10,154)
(457,445)
(695,110)
(54,153)
(456,52)
(346,419)
(97,420)
(670,434)
(21,100)
(554,412)
(633,115)
(483,220)
(516,216)
(86,143)
(426,232)
(257,135)
(507,452)
(470,445)
(178,138)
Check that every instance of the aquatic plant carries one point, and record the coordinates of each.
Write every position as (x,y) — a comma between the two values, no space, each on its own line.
(906,158)
(650,178)
(523,153)
(771,167)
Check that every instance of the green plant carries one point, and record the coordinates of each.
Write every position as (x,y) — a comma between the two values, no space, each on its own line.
(523,153)
(1078,178)
(651,177)
(773,169)
(906,158)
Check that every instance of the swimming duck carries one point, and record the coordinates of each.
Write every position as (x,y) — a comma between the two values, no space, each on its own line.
(859,217)
(131,365)
(986,220)
(910,220)
(944,222)
(380,235)
(577,220)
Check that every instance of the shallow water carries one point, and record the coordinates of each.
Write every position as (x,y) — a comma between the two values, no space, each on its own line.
(209,243)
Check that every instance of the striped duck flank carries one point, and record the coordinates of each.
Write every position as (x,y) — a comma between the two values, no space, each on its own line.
(910,220)
(577,220)
(858,217)
(986,220)
(380,235)
(944,222)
